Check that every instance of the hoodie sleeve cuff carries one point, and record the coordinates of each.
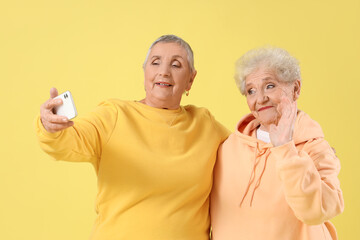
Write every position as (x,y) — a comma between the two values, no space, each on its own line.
(42,132)
(285,151)
(288,156)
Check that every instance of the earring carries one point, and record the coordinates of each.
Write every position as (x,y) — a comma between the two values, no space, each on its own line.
(187,93)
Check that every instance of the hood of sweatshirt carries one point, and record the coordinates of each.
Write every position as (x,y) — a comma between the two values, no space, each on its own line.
(305,129)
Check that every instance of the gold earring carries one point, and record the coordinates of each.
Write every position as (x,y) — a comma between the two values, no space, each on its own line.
(186,92)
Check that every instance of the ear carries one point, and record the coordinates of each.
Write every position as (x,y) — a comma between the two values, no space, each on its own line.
(297,88)
(192,77)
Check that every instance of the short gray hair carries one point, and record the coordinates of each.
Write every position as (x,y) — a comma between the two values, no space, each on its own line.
(285,66)
(178,40)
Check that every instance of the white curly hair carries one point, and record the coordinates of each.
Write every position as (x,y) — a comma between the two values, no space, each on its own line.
(285,66)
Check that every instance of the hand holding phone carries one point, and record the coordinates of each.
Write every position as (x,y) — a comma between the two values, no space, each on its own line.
(56,112)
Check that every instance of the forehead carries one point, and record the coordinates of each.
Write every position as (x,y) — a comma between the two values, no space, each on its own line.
(261,75)
(163,49)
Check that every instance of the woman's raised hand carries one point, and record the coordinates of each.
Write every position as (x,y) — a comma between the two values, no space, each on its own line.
(52,122)
(283,132)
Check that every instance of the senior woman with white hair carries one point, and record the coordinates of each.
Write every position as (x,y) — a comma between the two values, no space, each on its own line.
(276,176)
(153,158)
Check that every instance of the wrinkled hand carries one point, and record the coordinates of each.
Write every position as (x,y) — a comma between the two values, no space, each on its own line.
(282,133)
(52,122)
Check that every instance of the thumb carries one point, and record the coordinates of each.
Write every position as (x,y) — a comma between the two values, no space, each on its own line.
(53,92)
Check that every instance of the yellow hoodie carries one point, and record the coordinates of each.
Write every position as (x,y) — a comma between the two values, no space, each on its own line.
(287,192)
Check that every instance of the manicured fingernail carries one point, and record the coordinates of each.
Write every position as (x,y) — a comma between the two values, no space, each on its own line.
(64,120)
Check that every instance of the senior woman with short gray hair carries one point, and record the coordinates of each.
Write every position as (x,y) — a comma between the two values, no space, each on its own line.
(153,157)
(276,176)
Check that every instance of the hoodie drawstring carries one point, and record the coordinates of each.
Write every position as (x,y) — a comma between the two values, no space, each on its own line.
(252,176)
(259,180)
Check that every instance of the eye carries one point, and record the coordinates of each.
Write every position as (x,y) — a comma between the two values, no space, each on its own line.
(176,64)
(155,62)
(270,86)
(250,91)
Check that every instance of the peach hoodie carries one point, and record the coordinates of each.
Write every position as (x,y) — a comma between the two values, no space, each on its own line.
(287,192)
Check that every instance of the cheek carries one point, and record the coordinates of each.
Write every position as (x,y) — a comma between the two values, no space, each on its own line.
(148,77)
(182,79)
(250,103)
(149,71)
(146,82)
(275,97)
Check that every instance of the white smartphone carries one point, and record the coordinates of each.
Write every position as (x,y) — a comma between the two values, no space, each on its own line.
(68,108)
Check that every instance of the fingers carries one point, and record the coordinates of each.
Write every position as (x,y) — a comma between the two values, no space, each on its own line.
(285,127)
(291,111)
(283,131)
(53,92)
(285,109)
(49,116)
(286,99)
(52,103)
(53,123)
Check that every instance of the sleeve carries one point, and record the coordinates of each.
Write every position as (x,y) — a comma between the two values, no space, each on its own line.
(309,176)
(84,141)
(223,132)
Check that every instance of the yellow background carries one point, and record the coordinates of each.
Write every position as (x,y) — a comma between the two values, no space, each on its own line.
(96,49)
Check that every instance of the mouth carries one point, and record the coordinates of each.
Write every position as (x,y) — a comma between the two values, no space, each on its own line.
(163,84)
(264,108)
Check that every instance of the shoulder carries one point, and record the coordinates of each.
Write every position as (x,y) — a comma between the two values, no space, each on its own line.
(204,115)
(118,105)
(303,119)
(306,128)
(310,133)
(201,113)
(197,113)
(233,139)
(115,103)
(195,110)
(109,109)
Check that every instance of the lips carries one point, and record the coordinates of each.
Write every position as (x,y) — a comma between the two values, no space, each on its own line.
(264,108)
(163,84)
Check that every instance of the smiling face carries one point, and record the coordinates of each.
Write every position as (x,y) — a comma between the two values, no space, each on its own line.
(264,93)
(167,75)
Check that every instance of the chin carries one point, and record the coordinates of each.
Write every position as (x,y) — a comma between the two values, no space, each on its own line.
(163,97)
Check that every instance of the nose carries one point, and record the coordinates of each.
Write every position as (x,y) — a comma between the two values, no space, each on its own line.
(164,70)
(262,97)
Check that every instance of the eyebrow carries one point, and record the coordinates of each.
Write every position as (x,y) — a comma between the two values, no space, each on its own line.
(267,78)
(264,79)
(175,56)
